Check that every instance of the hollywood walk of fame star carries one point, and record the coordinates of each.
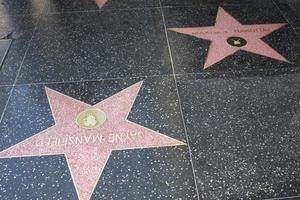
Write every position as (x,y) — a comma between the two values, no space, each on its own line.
(100,3)
(87,135)
(229,36)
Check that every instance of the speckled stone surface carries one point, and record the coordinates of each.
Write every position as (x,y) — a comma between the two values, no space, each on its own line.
(147,174)
(244,135)
(69,5)
(189,53)
(94,45)
(156,107)
(46,177)
(290,9)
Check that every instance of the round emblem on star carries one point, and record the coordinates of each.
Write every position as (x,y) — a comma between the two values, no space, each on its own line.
(91,118)
(237,41)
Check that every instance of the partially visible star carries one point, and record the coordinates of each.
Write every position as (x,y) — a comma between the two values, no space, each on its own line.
(100,3)
(87,134)
(227,28)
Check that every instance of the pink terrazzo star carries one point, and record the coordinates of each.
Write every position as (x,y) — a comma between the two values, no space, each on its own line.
(100,3)
(87,150)
(226,27)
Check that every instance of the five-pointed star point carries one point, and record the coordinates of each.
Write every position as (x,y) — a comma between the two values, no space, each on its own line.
(225,27)
(87,150)
(100,3)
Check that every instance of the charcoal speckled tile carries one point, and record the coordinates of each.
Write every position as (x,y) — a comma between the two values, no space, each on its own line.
(147,174)
(19,29)
(21,7)
(144,173)
(291,10)
(189,53)
(244,135)
(86,5)
(69,5)
(95,45)
(45,177)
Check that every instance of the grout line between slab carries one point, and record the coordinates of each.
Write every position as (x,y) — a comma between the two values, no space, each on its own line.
(282,198)
(124,9)
(141,8)
(179,103)
(94,80)
(208,73)
(101,10)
